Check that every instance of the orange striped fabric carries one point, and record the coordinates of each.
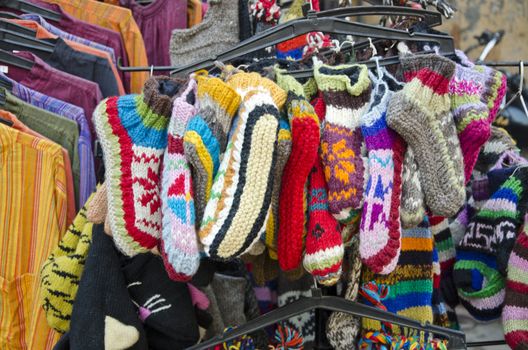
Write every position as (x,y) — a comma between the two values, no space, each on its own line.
(118,19)
(32,221)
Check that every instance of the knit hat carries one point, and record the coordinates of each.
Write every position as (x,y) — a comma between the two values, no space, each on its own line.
(323,254)
(515,312)
(412,207)
(98,209)
(206,135)
(61,272)
(380,230)
(103,315)
(420,114)
(241,194)
(133,134)
(164,306)
(342,328)
(346,91)
(218,31)
(470,114)
(179,241)
(304,125)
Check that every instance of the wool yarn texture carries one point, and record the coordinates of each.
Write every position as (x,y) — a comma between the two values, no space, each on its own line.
(132,130)
(323,254)
(206,135)
(380,229)
(410,285)
(236,213)
(179,242)
(499,142)
(412,204)
(61,272)
(440,314)
(515,312)
(346,91)
(420,113)
(98,209)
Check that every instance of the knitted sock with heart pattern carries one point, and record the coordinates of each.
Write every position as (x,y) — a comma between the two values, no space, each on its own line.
(420,113)
(133,134)
(346,91)
(179,243)
(380,230)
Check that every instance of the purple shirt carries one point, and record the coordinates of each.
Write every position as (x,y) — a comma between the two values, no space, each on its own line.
(87,179)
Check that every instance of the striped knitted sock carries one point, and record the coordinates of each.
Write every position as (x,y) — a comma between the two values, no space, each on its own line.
(499,142)
(483,252)
(446,256)
(323,254)
(133,134)
(179,244)
(305,144)
(412,208)
(470,114)
(420,114)
(440,316)
(380,230)
(515,312)
(206,135)
(411,283)
(241,194)
(346,91)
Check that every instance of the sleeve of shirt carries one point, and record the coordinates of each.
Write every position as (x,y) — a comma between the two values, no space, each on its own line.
(61,193)
(137,55)
(70,189)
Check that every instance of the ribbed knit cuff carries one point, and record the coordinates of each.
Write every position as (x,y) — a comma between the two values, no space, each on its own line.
(221,93)
(440,66)
(245,82)
(159,92)
(352,78)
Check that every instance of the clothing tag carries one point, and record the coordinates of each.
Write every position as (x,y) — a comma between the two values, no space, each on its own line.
(4,69)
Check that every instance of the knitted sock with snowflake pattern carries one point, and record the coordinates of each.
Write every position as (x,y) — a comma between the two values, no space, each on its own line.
(133,134)
(515,312)
(380,230)
(420,113)
(179,243)
(412,204)
(323,254)
(206,135)
(346,91)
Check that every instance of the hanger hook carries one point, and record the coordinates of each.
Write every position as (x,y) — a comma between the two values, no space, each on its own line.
(521,86)
(371,45)
(152,70)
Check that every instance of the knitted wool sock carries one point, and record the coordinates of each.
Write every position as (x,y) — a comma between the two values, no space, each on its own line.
(179,242)
(346,91)
(241,193)
(499,142)
(61,272)
(411,283)
(206,135)
(446,257)
(98,209)
(440,316)
(229,293)
(412,207)
(380,231)
(470,114)
(164,306)
(420,114)
(515,312)
(458,225)
(305,133)
(103,315)
(485,247)
(343,328)
(323,254)
(217,325)
(133,134)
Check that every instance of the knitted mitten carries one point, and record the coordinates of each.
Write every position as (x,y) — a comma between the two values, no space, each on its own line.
(380,231)
(179,242)
(133,134)
(346,91)
(470,114)
(420,114)
(240,200)
(446,258)
(515,312)
(412,207)
(61,272)
(305,143)
(323,255)
(343,328)
(411,283)
(98,209)
(483,252)
(206,135)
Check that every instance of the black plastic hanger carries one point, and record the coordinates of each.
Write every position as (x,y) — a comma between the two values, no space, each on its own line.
(17,28)
(456,339)
(19,62)
(27,43)
(28,7)
(9,15)
(332,25)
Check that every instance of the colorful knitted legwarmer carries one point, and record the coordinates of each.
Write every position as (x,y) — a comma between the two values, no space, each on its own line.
(133,134)
(346,91)
(179,242)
